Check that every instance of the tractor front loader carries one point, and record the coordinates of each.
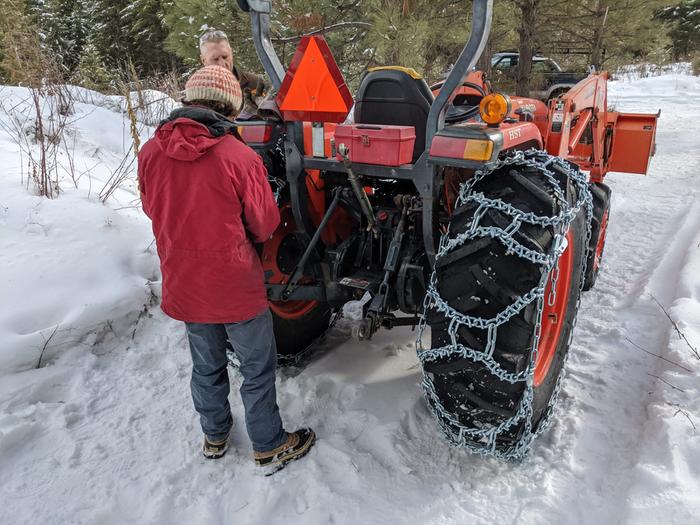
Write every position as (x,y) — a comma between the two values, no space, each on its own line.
(478,215)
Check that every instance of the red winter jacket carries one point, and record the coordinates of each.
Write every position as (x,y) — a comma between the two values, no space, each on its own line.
(209,200)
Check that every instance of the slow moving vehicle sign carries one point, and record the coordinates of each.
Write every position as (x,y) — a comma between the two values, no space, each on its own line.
(314,89)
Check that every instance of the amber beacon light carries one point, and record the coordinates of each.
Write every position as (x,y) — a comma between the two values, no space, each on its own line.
(494,108)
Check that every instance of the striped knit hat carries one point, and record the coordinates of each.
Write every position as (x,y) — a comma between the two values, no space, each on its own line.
(214,83)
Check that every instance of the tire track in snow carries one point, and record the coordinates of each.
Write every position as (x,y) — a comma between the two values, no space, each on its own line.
(663,287)
(610,380)
(653,221)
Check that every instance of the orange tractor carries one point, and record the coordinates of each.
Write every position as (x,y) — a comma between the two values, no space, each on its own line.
(453,207)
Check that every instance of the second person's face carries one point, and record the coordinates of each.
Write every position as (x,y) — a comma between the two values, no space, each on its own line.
(217,54)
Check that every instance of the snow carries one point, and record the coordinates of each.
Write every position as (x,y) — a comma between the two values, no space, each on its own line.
(104,431)
(70,265)
(644,70)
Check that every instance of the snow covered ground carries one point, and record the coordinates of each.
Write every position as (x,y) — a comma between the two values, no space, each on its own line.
(104,431)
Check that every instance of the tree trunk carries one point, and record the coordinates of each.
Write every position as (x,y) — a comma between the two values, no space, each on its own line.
(484,63)
(526,48)
(598,47)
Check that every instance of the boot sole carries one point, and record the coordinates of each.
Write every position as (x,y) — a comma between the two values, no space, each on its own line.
(215,456)
(273,468)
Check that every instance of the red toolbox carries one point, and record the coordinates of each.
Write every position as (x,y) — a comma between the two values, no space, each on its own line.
(375,144)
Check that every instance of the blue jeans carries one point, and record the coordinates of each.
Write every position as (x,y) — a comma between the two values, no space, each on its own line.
(254,344)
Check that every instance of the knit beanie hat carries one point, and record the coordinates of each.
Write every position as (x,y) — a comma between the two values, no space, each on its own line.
(214,83)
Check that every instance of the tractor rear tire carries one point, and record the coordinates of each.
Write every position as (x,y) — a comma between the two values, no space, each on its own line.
(480,279)
(297,324)
(600,194)
(293,336)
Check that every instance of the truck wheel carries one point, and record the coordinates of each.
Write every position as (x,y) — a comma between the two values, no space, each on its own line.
(478,393)
(556,94)
(600,194)
(296,323)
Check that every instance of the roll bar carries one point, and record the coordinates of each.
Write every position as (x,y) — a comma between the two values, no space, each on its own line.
(482,14)
(260,11)
(260,21)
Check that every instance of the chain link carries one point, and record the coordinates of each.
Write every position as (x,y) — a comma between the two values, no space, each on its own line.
(483,440)
(295,359)
(553,290)
(278,185)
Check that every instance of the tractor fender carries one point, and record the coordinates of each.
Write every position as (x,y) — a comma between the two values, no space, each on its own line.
(450,146)
(536,108)
(520,135)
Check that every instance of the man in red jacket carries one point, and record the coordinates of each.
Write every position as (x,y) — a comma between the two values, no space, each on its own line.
(208,197)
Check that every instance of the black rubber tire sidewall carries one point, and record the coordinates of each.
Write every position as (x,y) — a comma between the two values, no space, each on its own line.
(293,336)
(600,194)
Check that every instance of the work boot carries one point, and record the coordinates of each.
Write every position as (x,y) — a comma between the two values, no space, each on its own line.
(214,449)
(297,445)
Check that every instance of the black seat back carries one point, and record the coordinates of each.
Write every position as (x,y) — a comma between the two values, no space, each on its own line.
(396,97)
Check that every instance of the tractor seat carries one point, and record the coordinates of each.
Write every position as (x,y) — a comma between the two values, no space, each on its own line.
(395,96)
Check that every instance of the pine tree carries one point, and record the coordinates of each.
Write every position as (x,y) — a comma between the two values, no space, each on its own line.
(8,11)
(90,71)
(21,57)
(345,25)
(527,44)
(188,19)
(144,22)
(603,33)
(109,35)
(684,22)
(64,27)
(427,35)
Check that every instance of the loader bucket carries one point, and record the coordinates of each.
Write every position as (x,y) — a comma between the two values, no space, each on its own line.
(633,141)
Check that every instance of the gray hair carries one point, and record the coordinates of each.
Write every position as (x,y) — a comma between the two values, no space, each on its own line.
(212,35)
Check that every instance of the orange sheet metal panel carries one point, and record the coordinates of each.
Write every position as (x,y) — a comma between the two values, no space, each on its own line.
(520,133)
(634,141)
(536,108)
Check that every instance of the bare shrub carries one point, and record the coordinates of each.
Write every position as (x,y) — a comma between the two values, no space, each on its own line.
(37,124)
(145,104)
(119,176)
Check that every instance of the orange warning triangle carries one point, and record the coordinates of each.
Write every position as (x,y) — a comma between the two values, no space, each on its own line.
(313,88)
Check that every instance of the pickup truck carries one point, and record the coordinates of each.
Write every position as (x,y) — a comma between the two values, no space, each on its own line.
(548,79)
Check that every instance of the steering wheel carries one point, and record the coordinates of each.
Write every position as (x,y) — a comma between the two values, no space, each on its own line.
(477,87)
(455,114)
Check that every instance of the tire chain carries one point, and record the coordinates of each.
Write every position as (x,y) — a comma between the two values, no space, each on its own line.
(478,439)
(284,361)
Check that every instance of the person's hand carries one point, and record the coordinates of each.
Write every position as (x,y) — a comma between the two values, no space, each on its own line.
(257,89)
